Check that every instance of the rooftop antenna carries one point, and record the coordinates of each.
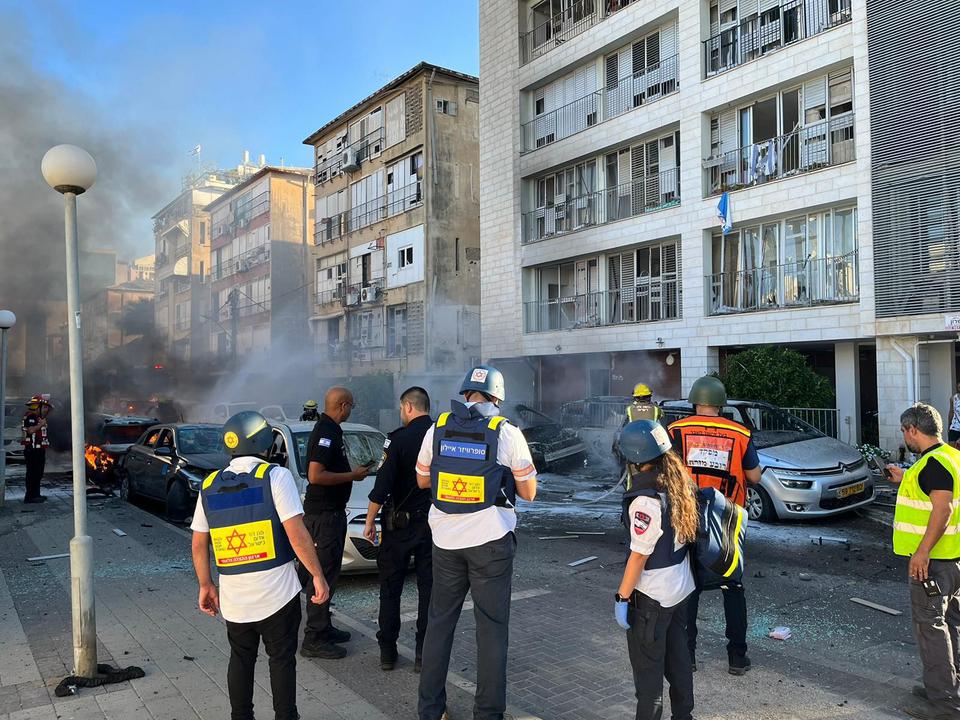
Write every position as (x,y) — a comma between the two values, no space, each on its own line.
(196,153)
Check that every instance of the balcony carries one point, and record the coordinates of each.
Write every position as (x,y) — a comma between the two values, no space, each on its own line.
(804,150)
(578,17)
(818,281)
(244,263)
(643,87)
(393,203)
(329,297)
(366,147)
(773,29)
(648,301)
(649,194)
(250,208)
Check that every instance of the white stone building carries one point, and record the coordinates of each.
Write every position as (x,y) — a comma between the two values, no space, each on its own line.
(609,130)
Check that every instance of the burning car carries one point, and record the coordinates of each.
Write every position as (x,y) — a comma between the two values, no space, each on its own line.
(551,445)
(109,440)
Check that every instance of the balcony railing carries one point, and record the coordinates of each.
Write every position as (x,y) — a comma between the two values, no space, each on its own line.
(772,30)
(648,301)
(393,203)
(244,263)
(815,281)
(651,193)
(641,88)
(577,17)
(327,297)
(366,147)
(806,149)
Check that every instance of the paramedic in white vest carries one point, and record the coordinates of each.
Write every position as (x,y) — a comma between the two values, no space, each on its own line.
(251,513)
(476,464)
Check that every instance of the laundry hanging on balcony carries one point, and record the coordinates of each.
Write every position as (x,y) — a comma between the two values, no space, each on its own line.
(725,213)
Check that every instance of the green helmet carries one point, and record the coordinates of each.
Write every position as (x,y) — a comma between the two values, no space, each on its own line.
(708,390)
(247,433)
(310,405)
(644,440)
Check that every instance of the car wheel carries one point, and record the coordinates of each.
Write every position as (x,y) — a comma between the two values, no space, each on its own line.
(178,502)
(126,487)
(759,505)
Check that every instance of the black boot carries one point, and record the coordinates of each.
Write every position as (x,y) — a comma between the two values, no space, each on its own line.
(388,657)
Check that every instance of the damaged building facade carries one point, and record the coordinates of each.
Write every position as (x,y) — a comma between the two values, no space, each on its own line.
(397,203)
(260,253)
(609,132)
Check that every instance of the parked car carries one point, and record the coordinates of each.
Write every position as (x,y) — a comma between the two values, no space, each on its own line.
(552,446)
(107,442)
(12,428)
(804,472)
(169,463)
(599,411)
(221,412)
(364,446)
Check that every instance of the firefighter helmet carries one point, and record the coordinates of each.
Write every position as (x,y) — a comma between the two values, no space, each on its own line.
(36,402)
(486,379)
(708,390)
(644,440)
(247,433)
(310,405)
(642,390)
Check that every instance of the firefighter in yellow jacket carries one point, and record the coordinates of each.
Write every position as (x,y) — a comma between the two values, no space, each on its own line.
(251,513)
(926,528)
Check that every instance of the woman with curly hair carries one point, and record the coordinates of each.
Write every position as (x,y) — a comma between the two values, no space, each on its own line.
(660,514)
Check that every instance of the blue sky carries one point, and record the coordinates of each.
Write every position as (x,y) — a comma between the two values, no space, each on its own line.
(230,76)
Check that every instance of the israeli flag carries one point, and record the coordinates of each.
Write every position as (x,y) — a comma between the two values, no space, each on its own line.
(725,213)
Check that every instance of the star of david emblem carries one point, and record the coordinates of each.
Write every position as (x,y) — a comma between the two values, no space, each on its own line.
(240,541)
(459,486)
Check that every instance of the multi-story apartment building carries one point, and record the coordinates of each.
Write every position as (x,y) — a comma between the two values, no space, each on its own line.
(182,260)
(143,268)
(397,202)
(609,129)
(261,234)
(116,316)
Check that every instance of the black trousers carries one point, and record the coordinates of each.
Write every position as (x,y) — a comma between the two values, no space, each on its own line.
(35,459)
(396,548)
(279,633)
(487,572)
(936,626)
(735,611)
(657,643)
(329,532)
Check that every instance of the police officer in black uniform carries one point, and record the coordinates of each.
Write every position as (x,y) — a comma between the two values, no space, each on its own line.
(404,521)
(325,506)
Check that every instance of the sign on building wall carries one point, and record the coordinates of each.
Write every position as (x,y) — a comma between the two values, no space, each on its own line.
(951,323)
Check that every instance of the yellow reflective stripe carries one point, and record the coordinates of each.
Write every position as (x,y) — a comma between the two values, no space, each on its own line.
(701,423)
(918,504)
(922,529)
(261,471)
(495,422)
(442,420)
(209,481)
(736,546)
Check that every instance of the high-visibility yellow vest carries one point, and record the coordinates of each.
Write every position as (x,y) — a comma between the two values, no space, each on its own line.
(643,411)
(914,508)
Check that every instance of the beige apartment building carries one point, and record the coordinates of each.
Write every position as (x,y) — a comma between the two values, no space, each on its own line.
(261,249)
(182,253)
(397,234)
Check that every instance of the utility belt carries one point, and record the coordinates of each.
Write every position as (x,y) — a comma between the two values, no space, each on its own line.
(394,519)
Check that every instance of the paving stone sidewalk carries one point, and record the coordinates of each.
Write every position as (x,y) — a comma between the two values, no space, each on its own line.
(146,616)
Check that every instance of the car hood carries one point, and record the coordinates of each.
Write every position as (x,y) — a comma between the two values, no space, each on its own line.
(207,461)
(116,448)
(814,454)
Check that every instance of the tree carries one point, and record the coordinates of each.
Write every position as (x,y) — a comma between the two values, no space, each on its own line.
(776,375)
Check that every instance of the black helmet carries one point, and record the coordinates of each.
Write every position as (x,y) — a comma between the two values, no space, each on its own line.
(247,433)
(486,379)
(644,440)
(708,390)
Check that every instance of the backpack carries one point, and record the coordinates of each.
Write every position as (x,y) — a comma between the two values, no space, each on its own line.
(720,537)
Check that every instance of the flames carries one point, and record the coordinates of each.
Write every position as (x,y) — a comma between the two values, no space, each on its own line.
(97,458)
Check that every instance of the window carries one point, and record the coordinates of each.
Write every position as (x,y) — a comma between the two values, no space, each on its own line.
(404,184)
(203,277)
(539,106)
(406,256)
(397,331)
(203,233)
(366,200)
(396,129)
(447,107)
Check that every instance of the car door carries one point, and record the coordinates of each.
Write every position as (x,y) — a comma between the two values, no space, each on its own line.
(158,465)
(138,458)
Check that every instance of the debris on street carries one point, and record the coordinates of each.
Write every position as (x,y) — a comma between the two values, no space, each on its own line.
(584,532)
(780,633)
(559,537)
(48,557)
(821,539)
(582,561)
(875,606)
(119,533)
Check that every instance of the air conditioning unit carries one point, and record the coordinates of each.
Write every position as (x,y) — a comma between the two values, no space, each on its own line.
(352,297)
(369,293)
(349,160)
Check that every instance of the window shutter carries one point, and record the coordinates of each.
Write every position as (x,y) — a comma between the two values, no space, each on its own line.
(814,97)
(611,71)
(766,5)
(396,121)
(452,108)
(636,179)
(668,42)
(728,5)
(639,59)
(653,49)
(747,8)
(728,131)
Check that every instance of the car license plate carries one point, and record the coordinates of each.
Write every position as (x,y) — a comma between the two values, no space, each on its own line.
(850,490)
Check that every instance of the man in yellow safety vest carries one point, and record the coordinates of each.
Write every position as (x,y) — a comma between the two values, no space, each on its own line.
(926,528)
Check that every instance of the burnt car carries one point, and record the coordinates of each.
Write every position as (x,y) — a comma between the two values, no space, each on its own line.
(553,447)
(108,441)
(169,463)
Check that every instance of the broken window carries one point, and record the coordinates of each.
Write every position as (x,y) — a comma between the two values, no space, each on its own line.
(404,184)
(397,331)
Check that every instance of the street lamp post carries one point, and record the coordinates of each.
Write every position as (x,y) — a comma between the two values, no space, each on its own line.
(7,321)
(72,171)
